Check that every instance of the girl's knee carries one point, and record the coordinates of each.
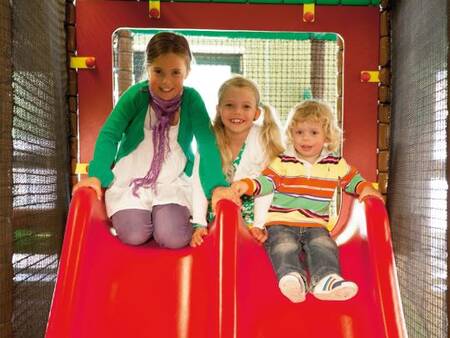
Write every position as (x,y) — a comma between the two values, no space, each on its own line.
(173,235)
(133,227)
(172,242)
(133,237)
(173,229)
(170,213)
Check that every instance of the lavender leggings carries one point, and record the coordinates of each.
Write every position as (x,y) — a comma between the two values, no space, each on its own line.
(168,223)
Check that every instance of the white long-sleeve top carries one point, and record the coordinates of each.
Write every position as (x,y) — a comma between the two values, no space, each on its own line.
(253,161)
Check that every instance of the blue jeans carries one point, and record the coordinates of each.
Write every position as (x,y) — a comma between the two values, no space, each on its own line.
(286,243)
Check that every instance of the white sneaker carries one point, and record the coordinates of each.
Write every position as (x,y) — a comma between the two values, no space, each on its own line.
(334,287)
(293,287)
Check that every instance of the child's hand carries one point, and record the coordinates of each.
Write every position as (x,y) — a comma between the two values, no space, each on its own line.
(259,234)
(224,193)
(240,187)
(90,182)
(197,236)
(370,191)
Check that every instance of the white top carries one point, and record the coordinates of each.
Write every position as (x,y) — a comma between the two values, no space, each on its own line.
(253,161)
(172,184)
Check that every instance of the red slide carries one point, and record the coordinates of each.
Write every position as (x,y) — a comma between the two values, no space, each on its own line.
(224,289)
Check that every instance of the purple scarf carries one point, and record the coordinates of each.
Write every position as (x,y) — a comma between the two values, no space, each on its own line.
(164,110)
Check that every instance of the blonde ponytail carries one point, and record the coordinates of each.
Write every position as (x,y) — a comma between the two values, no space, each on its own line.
(224,147)
(270,133)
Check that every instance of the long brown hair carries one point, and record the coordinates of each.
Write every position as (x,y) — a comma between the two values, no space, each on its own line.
(168,42)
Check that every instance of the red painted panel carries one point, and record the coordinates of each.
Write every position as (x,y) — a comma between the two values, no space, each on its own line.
(358,25)
(223,289)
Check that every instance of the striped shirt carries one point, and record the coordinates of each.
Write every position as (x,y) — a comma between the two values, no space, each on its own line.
(303,191)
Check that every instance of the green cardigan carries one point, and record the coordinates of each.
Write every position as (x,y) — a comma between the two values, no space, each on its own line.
(124,130)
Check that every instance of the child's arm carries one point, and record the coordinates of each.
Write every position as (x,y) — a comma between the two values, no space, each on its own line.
(220,193)
(199,200)
(199,207)
(241,187)
(259,186)
(129,105)
(210,168)
(261,208)
(369,191)
(354,183)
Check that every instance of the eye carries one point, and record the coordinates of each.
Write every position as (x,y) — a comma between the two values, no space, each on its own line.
(157,71)
(176,72)
(314,132)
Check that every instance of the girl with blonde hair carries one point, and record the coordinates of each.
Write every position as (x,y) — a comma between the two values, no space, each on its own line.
(245,146)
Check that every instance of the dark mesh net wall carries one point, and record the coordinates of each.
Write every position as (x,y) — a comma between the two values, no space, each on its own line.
(417,196)
(39,160)
(287,67)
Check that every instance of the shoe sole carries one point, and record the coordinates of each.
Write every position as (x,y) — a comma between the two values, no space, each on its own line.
(340,293)
(291,288)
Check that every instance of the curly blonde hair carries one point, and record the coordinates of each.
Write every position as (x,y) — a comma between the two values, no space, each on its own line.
(315,111)
(270,135)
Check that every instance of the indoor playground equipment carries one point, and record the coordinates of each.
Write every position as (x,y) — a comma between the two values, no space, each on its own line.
(225,288)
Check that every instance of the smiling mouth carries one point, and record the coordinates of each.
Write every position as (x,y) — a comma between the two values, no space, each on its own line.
(236,121)
(165,90)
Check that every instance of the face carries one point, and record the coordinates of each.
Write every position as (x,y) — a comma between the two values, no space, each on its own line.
(309,140)
(238,109)
(167,74)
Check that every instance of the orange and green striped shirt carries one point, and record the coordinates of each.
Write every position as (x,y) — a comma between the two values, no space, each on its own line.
(303,191)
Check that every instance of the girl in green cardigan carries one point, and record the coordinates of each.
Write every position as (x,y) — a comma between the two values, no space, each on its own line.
(143,152)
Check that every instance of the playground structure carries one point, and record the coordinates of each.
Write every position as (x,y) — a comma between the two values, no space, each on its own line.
(35,190)
(225,288)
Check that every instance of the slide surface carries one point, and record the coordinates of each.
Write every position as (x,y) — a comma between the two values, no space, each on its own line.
(224,289)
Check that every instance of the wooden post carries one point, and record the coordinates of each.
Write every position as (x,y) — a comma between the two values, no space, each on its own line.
(72,93)
(317,68)
(125,61)
(6,271)
(384,99)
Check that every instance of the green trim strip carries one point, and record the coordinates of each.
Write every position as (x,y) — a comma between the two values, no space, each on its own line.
(265,1)
(327,2)
(245,34)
